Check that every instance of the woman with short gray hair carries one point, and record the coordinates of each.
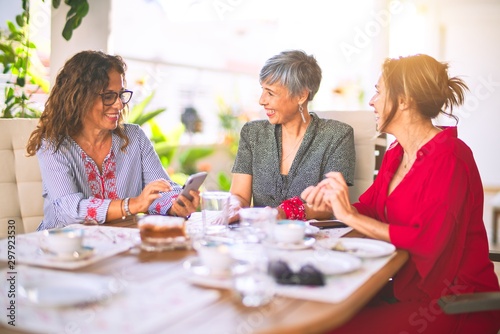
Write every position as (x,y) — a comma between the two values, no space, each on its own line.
(281,156)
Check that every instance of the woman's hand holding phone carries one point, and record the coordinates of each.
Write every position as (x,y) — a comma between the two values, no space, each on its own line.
(193,183)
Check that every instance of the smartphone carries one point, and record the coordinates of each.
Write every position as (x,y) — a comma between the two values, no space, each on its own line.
(193,183)
(330,223)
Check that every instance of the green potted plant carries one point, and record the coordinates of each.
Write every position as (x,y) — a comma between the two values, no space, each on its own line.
(19,61)
(16,58)
(167,144)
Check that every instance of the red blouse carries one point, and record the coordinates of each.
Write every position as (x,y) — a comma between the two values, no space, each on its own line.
(436,213)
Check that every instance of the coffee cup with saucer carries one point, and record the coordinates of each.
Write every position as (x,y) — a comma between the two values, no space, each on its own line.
(215,256)
(289,231)
(65,244)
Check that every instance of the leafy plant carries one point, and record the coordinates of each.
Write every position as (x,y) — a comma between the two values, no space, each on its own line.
(78,10)
(16,57)
(231,124)
(224,181)
(19,59)
(189,158)
(167,144)
(138,115)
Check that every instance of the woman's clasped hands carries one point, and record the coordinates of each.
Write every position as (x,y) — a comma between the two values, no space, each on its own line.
(330,194)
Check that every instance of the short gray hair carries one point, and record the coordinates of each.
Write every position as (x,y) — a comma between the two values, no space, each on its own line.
(293,69)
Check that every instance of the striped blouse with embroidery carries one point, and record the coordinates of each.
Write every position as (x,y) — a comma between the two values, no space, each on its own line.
(75,190)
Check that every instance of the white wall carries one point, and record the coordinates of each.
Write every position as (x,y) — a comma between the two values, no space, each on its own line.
(93,33)
(463,33)
(198,52)
(472,45)
(8,11)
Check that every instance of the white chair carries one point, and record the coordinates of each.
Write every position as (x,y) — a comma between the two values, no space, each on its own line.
(367,146)
(495,204)
(21,202)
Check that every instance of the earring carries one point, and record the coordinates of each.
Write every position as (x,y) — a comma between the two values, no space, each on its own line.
(301,110)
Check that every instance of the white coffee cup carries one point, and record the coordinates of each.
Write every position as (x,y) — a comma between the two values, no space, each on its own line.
(289,231)
(215,256)
(63,241)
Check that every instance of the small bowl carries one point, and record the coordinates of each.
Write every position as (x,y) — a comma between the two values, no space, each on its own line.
(63,240)
(289,231)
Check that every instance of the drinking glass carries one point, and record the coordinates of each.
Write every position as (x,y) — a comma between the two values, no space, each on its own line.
(258,220)
(215,211)
(254,287)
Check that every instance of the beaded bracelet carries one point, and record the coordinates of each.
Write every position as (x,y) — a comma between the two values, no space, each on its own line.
(125,206)
(294,208)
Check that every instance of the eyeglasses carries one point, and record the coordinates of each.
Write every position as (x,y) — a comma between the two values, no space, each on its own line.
(109,98)
(307,275)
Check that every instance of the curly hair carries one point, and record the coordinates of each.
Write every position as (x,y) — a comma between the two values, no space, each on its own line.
(426,83)
(77,85)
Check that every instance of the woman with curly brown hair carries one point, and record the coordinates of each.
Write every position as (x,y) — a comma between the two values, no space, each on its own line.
(94,167)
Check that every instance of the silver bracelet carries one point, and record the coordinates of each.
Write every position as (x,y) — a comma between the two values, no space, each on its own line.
(125,206)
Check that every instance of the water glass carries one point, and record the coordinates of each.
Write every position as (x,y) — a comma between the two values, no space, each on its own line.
(259,220)
(254,287)
(215,211)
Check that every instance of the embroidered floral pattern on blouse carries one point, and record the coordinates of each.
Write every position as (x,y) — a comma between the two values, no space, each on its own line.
(92,176)
(109,175)
(101,186)
(92,208)
(162,203)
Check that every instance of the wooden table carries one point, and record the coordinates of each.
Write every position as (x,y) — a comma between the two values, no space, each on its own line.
(282,315)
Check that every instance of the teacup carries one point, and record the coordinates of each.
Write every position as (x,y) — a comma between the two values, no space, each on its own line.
(215,256)
(63,241)
(289,231)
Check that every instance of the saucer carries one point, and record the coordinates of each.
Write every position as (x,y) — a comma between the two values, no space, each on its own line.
(81,254)
(304,244)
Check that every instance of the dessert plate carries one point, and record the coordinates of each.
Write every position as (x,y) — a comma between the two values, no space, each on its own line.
(363,248)
(307,242)
(336,264)
(72,291)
